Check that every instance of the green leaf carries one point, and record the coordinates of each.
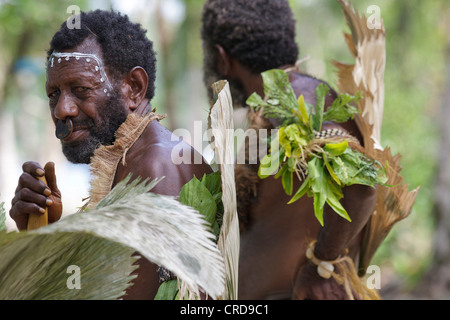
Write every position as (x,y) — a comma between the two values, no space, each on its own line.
(282,170)
(213,182)
(284,140)
(353,167)
(281,101)
(287,181)
(341,110)
(168,290)
(334,203)
(336,149)
(303,112)
(255,101)
(330,170)
(302,190)
(317,120)
(316,172)
(294,133)
(319,203)
(196,195)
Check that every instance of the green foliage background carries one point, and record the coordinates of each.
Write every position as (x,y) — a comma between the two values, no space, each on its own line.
(414,81)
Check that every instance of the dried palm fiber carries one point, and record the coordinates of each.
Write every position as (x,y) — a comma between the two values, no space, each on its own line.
(222,127)
(101,242)
(106,158)
(367,76)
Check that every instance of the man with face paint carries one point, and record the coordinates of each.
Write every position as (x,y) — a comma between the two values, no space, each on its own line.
(100,81)
(241,39)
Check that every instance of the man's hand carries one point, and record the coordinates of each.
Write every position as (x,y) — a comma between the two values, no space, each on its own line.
(32,196)
(310,286)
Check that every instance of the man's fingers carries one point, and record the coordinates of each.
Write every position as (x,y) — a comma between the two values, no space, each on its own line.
(21,210)
(27,208)
(28,181)
(33,168)
(51,176)
(30,178)
(27,195)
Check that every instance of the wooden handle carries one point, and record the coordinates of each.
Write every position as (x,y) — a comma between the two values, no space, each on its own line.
(36,221)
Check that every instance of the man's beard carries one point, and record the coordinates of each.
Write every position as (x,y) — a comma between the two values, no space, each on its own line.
(210,75)
(111,115)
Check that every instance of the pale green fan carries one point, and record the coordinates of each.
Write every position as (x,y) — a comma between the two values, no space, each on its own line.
(101,242)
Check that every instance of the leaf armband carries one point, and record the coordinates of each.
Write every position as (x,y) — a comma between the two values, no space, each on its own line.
(322,160)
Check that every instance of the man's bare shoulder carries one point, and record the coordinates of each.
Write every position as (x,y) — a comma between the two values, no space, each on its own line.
(306,85)
(168,157)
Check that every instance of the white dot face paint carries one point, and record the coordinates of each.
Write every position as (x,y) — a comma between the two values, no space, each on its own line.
(98,64)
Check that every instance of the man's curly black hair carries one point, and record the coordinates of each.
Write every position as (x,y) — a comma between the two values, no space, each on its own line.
(258,33)
(124,44)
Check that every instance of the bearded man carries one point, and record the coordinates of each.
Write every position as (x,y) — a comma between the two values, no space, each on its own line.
(241,39)
(100,81)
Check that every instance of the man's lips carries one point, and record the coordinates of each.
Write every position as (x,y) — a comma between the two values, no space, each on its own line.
(78,134)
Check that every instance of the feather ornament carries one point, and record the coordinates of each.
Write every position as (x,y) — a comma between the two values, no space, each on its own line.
(366,75)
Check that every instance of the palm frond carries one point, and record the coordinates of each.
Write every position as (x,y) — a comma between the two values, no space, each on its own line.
(101,242)
(36,266)
(221,116)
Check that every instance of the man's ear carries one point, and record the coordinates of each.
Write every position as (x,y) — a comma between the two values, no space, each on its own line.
(223,61)
(134,87)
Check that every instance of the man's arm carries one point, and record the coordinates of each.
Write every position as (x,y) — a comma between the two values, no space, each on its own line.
(334,238)
(338,233)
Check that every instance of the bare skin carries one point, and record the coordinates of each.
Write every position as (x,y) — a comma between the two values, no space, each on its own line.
(273,264)
(75,92)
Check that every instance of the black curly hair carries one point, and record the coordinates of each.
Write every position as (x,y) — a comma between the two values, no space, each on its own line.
(258,33)
(124,44)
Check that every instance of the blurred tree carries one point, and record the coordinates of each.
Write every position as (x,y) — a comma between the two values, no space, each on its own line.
(436,282)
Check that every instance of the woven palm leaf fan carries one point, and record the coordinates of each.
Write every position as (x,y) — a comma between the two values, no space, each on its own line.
(101,242)
(366,75)
(221,121)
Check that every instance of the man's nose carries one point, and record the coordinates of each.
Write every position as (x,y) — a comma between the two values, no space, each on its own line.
(66,107)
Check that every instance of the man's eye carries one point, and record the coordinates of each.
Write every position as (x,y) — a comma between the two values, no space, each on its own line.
(81,89)
(53,94)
